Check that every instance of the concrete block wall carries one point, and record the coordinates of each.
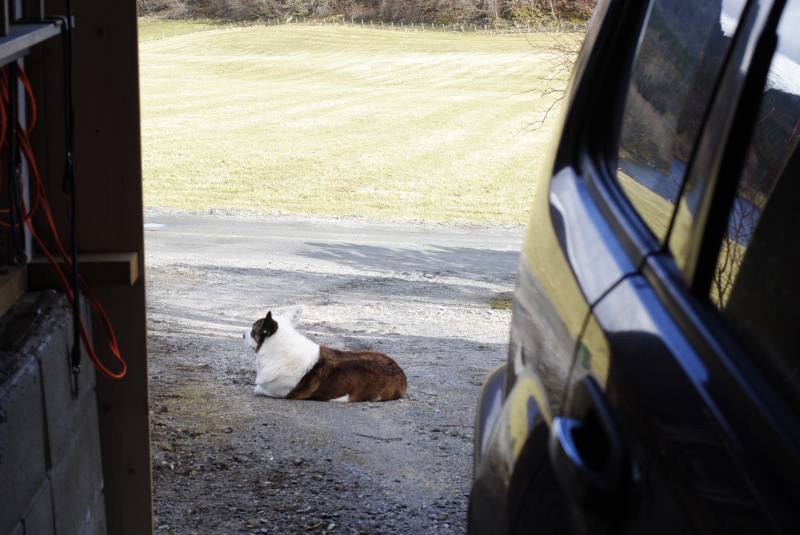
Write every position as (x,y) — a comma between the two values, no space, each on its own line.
(51,478)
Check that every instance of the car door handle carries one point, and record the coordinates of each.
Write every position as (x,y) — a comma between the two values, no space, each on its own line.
(588,454)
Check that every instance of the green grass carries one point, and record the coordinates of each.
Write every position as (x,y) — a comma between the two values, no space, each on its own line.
(326,120)
(504,301)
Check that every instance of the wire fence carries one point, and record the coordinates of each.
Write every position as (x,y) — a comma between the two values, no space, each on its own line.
(488,27)
(493,27)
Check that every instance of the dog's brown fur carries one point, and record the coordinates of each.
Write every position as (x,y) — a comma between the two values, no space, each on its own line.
(363,375)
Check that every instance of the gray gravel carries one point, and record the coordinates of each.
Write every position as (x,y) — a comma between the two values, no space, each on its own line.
(228,462)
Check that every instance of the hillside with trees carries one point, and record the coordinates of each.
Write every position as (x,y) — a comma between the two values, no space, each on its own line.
(436,11)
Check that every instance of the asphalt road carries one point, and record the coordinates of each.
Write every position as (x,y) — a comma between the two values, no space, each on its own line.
(484,249)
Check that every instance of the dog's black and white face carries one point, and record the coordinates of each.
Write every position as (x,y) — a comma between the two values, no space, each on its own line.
(268,326)
(262,329)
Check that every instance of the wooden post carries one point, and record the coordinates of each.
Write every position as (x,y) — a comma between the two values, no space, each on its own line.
(108,160)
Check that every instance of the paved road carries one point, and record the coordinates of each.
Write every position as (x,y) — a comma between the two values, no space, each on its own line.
(372,244)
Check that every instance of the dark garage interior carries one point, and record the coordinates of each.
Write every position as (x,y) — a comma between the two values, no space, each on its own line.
(74,443)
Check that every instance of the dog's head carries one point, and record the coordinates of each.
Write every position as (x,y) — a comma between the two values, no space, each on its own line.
(268,326)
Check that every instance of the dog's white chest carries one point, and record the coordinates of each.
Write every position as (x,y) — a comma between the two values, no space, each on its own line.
(282,361)
(272,390)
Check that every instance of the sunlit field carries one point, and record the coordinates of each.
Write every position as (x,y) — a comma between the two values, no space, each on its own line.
(326,120)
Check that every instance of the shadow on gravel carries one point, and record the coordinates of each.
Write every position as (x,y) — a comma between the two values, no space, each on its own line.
(267,287)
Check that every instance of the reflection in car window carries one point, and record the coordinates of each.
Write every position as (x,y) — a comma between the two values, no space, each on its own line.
(756,283)
(678,62)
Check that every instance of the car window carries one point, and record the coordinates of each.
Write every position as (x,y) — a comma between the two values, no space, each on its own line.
(680,57)
(756,283)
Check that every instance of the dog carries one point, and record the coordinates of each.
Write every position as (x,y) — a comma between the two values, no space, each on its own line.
(289,365)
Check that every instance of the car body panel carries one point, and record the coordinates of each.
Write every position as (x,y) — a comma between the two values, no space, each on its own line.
(595,254)
(490,405)
(699,466)
(599,298)
(523,411)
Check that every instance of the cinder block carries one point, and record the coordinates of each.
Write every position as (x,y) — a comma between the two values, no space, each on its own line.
(39,519)
(77,481)
(22,441)
(52,342)
(96,523)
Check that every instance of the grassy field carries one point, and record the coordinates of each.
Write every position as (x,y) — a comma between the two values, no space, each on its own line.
(338,121)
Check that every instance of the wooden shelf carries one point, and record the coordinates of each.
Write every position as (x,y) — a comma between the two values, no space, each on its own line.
(23,36)
(114,269)
(12,287)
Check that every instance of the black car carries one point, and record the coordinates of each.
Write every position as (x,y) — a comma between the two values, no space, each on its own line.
(653,375)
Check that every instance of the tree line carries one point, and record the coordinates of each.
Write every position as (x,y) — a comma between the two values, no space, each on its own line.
(436,11)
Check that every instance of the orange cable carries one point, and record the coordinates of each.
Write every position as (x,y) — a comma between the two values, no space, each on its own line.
(41,198)
(25,82)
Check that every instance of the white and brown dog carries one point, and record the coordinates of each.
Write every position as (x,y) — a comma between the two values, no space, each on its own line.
(291,366)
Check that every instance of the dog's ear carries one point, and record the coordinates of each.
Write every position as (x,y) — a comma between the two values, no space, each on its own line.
(268,327)
(293,315)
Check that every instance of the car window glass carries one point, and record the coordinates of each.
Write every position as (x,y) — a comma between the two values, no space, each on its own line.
(680,57)
(757,278)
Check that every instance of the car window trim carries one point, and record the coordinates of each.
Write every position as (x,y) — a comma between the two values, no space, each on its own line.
(603,111)
(724,190)
(714,153)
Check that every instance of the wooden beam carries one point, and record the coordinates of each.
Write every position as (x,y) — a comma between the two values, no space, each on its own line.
(12,287)
(108,159)
(113,269)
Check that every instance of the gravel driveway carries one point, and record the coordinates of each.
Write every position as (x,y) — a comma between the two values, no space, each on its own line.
(228,462)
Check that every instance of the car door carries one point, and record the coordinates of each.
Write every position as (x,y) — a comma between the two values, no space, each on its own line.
(619,84)
(683,414)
